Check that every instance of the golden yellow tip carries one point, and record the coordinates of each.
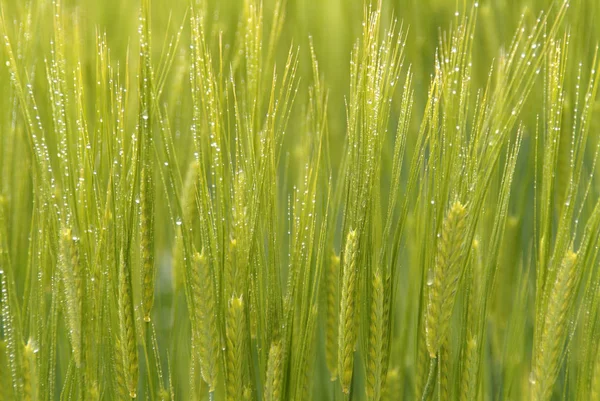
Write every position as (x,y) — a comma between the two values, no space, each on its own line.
(458,207)
(147,319)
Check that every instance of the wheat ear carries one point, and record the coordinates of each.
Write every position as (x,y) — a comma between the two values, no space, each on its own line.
(376,333)
(446,276)
(560,300)
(204,299)
(469,371)
(274,373)
(347,323)
(127,328)
(71,278)
(331,324)
(147,241)
(235,349)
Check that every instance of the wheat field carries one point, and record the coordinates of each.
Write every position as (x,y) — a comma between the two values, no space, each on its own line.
(276,200)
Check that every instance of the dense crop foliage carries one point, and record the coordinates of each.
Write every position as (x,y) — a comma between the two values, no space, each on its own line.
(299,200)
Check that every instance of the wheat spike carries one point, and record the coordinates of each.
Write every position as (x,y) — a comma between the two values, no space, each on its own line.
(331,329)
(127,328)
(205,321)
(560,299)
(444,365)
(387,304)
(469,371)
(446,277)
(29,374)
(376,333)
(121,385)
(71,278)
(274,373)
(306,373)
(470,366)
(147,241)
(235,349)
(347,323)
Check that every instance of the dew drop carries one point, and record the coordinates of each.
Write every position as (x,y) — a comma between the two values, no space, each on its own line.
(532,377)
(430,277)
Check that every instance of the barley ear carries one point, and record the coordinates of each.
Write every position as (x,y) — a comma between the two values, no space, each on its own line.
(446,276)
(119,369)
(127,328)
(347,323)
(235,322)
(274,373)
(205,321)
(331,322)
(147,241)
(376,340)
(29,372)
(548,352)
(469,371)
(70,273)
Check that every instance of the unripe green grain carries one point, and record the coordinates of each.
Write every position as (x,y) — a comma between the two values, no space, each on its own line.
(376,343)
(127,328)
(331,325)
(560,300)
(446,275)
(469,371)
(235,335)
(205,322)
(147,241)
(71,278)
(274,373)
(347,322)
(28,367)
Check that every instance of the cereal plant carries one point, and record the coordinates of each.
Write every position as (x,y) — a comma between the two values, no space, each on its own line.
(276,200)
